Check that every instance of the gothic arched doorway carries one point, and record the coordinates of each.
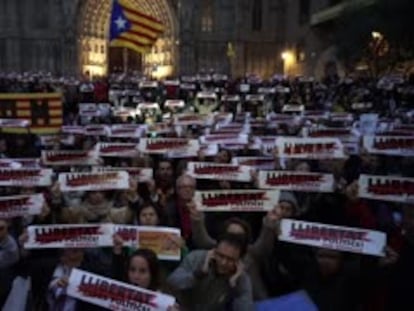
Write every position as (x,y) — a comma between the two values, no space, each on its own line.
(97,58)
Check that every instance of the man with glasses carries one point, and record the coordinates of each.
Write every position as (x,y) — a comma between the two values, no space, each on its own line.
(9,255)
(214,279)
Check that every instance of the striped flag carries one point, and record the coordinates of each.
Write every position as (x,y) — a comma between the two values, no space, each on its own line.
(131,28)
(42,110)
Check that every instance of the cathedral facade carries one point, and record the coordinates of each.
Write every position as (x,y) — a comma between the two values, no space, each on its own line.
(71,37)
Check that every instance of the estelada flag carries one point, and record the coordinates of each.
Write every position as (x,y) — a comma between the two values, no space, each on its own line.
(43,110)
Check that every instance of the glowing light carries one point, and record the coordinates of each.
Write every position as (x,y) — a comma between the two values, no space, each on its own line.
(376,35)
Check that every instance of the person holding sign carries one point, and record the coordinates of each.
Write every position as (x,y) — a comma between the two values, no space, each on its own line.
(214,279)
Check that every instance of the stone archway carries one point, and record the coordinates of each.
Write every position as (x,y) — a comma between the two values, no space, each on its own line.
(95,55)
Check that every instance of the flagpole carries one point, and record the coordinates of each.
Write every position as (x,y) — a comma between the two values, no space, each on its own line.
(125,59)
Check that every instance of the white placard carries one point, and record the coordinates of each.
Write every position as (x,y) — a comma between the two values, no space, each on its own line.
(21,205)
(236,200)
(25,177)
(310,148)
(128,234)
(293,108)
(158,239)
(342,133)
(72,129)
(340,238)
(99,181)
(165,145)
(224,139)
(69,158)
(386,188)
(88,110)
(126,131)
(96,130)
(190,119)
(19,163)
(296,181)
(209,170)
(389,145)
(259,163)
(368,123)
(174,103)
(73,236)
(117,150)
(114,295)
(142,174)
(209,150)
(14,123)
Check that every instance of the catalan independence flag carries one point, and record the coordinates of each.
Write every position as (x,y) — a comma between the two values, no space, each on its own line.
(131,28)
(43,110)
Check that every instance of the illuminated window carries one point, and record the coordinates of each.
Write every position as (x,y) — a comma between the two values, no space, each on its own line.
(257,15)
(207,16)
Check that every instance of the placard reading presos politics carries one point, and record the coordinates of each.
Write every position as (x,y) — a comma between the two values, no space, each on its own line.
(115,295)
(340,238)
(208,170)
(386,188)
(164,145)
(236,200)
(310,148)
(75,236)
(390,145)
(296,181)
(69,158)
(98,181)
(160,240)
(25,177)
(21,205)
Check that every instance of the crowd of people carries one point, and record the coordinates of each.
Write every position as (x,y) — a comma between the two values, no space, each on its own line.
(229,260)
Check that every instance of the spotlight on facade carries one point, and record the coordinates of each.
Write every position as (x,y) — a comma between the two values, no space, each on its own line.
(288,56)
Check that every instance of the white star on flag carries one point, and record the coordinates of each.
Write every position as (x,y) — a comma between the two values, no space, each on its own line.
(120,23)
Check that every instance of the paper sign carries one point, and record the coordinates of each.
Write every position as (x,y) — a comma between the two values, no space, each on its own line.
(14,123)
(190,119)
(19,163)
(386,188)
(99,181)
(73,236)
(88,110)
(25,177)
(72,129)
(310,148)
(117,150)
(368,123)
(69,158)
(126,131)
(389,145)
(21,205)
(96,130)
(259,163)
(114,295)
(341,117)
(345,239)
(293,108)
(224,139)
(172,103)
(209,150)
(296,181)
(209,170)
(158,239)
(236,200)
(142,174)
(164,145)
(128,234)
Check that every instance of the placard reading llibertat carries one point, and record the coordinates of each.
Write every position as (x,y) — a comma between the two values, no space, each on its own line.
(340,238)
(224,139)
(386,188)
(390,145)
(258,163)
(141,174)
(69,158)
(26,177)
(296,181)
(21,205)
(165,145)
(19,163)
(114,295)
(98,181)
(209,170)
(74,236)
(236,200)
(117,150)
(310,148)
